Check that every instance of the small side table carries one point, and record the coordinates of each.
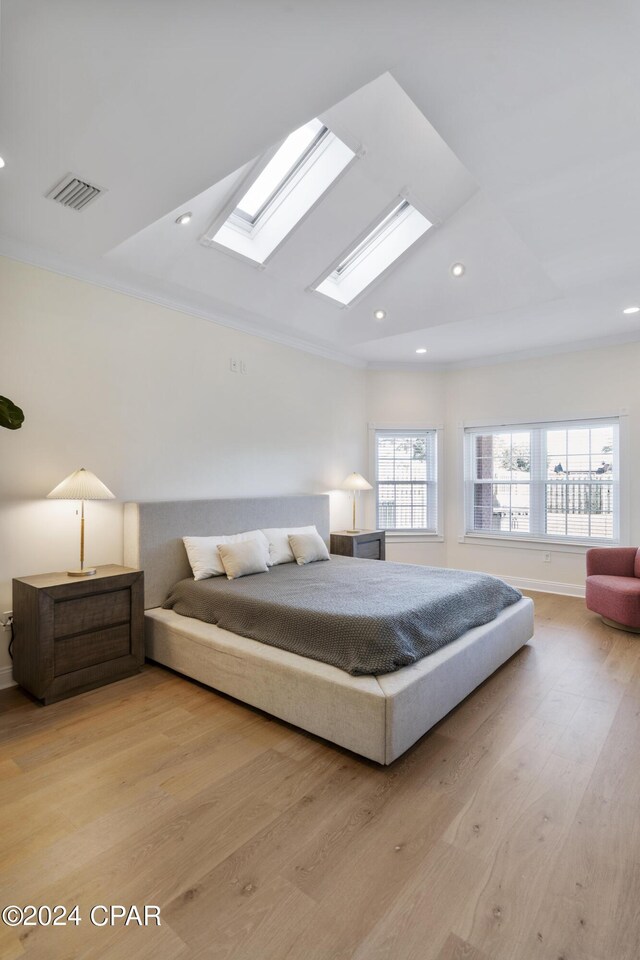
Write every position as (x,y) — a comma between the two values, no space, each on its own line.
(75,634)
(367,544)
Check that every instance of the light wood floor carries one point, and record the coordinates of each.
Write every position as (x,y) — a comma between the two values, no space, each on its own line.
(510,832)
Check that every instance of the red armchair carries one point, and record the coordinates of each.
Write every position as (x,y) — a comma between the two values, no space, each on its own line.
(613,586)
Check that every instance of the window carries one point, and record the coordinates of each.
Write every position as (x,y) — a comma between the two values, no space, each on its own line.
(280,170)
(548,481)
(390,237)
(406,480)
(303,167)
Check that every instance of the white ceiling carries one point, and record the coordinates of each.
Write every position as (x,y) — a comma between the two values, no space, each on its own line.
(515,125)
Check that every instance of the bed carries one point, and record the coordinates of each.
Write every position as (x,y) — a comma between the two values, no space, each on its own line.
(377,716)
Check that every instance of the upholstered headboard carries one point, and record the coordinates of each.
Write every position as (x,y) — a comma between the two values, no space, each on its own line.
(153,532)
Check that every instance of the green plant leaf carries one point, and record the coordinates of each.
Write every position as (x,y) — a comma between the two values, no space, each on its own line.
(11,416)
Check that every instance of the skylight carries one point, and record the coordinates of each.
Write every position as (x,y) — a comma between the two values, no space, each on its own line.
(387,241)
(300,171)
(279,170)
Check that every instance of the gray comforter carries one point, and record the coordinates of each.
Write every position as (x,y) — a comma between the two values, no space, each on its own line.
(363,616)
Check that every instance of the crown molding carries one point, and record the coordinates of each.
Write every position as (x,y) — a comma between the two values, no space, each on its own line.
(406,366)
(105,275)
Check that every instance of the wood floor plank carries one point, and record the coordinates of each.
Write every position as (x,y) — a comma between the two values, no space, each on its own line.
(463,722)
(559,707)
(518,876)
(623,658)
(135,943)
(633,687)
(201,833)
(490,813)
(9,768)
(591,904)
(274,937)
(381,861)
(417,925)
(62,747)
(617,773)
(218,895)
(585,734)
(259,925)
(457,949)
(136,691)
(460,770)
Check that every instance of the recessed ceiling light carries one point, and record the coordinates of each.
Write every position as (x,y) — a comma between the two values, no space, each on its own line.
(1,163)
(457,270)
(184,217)
(380,314)
(631,310)
(421,350)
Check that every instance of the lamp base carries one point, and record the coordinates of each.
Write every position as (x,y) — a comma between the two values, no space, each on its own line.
(82,573)
(354,531)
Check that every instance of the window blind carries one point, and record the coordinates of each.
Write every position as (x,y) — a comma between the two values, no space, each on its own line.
(555,480)
(406,480)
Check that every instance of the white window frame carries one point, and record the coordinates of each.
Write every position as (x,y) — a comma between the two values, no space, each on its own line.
(425,534)
(568,544)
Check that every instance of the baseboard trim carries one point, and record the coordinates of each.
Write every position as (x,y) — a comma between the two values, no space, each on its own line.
(547,586)
(6,678)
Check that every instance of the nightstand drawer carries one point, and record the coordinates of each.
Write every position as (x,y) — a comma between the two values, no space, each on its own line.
(74,653)
(369,549)
(363,544)
(91,613)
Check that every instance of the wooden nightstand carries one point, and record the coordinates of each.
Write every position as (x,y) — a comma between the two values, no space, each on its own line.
(368,544)
(72,635)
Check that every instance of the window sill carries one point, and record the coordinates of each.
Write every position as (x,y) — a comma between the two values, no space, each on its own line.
(531,543)
(413,536)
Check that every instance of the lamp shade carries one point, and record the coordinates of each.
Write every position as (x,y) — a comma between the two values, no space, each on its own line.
(355,481)
(81,485)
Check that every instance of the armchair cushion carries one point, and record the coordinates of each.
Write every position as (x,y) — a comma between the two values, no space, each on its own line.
(614,597)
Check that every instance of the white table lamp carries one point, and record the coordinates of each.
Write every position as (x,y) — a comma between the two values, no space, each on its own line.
(81,485)
(355,482)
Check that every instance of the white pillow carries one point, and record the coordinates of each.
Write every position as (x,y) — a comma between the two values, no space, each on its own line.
(278,538)
(241,559)
(203,552)
(308,547)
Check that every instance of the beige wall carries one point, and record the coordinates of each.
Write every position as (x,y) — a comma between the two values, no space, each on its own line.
(572,385)
(144,397)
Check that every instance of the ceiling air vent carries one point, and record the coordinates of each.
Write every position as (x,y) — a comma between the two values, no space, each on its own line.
(74,193)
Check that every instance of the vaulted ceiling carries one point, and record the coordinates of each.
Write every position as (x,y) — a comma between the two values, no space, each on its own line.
(514,126)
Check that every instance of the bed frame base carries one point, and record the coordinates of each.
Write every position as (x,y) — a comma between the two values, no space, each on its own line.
(376,717)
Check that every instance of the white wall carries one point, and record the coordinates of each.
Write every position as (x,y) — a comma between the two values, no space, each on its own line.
(572,385)
(144,397)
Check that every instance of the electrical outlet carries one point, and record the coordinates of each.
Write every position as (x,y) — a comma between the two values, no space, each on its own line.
(6,618)
(546,558)
(234,365)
